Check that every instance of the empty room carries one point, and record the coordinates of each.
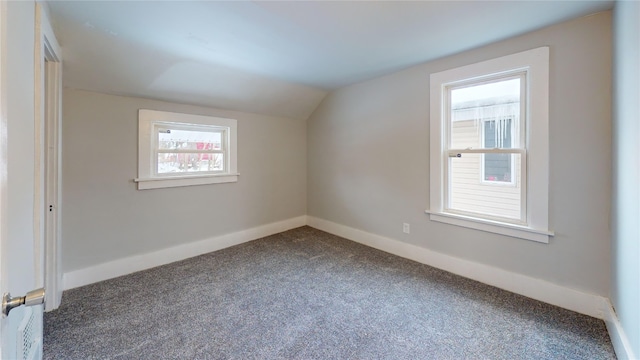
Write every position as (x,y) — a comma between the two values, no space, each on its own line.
(320,179)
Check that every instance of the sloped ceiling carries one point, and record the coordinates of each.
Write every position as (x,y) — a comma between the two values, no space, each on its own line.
(275,58)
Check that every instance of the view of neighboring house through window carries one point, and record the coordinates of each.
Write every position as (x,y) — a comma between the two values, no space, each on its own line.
(497,167)
(177,149)
(489,156)
(485,131)
(197,150)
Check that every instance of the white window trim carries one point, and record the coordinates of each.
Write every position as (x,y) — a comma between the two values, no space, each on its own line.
(536,63)
(147,177)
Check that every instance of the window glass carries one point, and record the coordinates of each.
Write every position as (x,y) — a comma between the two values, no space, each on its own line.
(497,167)
(189,139)
(169,163)
(472,105)
(484,115)
(186,151)
(470,195)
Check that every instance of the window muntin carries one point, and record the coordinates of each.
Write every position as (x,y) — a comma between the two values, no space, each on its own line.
(177,149)
(529,146)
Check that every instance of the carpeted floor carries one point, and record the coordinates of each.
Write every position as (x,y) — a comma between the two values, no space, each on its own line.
(306,294)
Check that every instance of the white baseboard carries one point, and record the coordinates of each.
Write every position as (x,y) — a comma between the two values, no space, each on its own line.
(617,334)
(132,264)
(588,304)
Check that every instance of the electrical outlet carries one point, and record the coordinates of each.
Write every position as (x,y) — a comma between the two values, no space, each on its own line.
(406,228)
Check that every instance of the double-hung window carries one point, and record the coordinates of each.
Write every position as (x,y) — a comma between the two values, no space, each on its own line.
(489,146)
(181,149)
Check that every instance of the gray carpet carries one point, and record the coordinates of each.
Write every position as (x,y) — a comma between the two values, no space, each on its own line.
(306,294)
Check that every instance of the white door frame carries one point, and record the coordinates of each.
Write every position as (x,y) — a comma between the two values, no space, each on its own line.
(3,159)
(48,96)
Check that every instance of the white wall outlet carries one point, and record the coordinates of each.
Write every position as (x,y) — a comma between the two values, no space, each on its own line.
(406,228)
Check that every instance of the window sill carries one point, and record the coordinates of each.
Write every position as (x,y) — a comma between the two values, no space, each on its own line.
(492,226)
(186,180)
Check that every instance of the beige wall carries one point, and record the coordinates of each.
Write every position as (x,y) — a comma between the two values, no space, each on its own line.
(105,218)
(368,159)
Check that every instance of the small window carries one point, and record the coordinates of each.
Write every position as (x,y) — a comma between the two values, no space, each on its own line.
(489,146)
(181,150)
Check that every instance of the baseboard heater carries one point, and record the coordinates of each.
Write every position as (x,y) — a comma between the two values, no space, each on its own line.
(28,346)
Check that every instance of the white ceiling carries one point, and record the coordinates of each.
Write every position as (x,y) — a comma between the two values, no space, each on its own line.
(276,58)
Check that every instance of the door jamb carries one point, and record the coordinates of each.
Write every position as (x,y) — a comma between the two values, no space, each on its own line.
(48,96)
(3,158)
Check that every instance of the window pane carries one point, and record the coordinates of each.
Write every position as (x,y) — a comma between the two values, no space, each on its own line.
(496,103)
(497,134)
(189,139)
(189,162)
(497,167)
(469,192)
